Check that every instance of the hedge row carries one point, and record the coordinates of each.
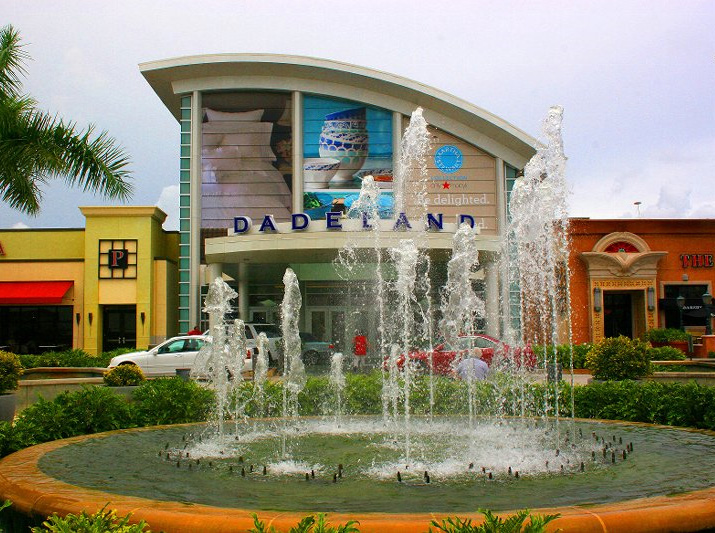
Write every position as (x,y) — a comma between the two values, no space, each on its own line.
(171,401)
(95,409)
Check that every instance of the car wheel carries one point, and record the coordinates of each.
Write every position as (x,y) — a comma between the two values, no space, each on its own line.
(311,357)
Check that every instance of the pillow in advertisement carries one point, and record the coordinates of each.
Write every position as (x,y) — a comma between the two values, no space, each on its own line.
(243,139)
(237,152)
(219,116)
(251,164)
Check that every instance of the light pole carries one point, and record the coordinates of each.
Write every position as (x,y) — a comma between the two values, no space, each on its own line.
(680,300)
(708,302)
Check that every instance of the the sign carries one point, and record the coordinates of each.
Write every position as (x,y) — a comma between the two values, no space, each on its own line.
(696,260)
(448,159)
(2,250)
(118,258)
(334,222)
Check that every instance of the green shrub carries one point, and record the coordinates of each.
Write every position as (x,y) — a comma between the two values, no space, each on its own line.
(100,522)
(564,353)
(172,401)
(68,358)
(495,524)
(665,353)
(124,375)
(89,410)
(619,358)
(8,439)
(308,524)
(10,371)
(665,335)
(678,404)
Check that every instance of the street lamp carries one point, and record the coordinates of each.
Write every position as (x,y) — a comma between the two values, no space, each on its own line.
(708,302)
(680,300)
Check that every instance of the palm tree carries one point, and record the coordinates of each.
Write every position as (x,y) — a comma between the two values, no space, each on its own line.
(36,146)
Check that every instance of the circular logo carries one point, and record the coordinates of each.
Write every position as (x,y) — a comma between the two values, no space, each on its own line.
(448,159)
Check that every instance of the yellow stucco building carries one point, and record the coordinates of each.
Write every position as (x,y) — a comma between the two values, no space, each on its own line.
(108,285)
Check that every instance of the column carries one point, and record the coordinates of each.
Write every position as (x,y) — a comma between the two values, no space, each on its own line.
(243,291)
(297,120)
(195,213)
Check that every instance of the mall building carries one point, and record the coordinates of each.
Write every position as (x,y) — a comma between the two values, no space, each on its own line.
(273,151)
(280,135)
(111,284)
(632,275)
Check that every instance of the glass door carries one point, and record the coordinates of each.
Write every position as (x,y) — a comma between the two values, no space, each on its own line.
(119,327)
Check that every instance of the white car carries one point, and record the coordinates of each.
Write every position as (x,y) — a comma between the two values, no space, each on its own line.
(166,358)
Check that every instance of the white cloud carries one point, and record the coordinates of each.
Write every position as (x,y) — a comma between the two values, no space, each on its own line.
(169,203)
(20,225)
(670,182)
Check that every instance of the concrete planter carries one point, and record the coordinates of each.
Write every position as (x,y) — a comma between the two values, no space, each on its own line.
(8,402)
(126,390)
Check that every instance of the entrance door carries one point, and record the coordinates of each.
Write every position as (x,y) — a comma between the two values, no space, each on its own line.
(617,314)
(119,327)
(328,324)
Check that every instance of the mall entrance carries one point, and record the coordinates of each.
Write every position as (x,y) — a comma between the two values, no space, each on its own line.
(624,313)
(119,327)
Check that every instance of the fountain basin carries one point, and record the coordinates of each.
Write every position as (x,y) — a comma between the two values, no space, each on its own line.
(56,477)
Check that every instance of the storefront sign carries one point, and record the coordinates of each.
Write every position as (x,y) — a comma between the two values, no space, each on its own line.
(2,250)
(334,222)
(696,260)
(118,258)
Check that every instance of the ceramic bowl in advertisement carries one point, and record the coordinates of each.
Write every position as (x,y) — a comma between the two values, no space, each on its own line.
(345,125)
(348,140)
(317,171)
(358,113)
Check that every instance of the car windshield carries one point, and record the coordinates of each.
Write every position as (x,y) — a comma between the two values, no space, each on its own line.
(270,330)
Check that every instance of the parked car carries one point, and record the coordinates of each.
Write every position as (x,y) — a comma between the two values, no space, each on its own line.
(314,351)
(275,343)
(444,357)
(165,358)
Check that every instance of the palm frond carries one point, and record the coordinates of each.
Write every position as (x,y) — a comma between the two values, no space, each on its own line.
(12,59)
(35,146)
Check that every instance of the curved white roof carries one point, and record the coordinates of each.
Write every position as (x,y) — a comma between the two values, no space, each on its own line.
(172,78)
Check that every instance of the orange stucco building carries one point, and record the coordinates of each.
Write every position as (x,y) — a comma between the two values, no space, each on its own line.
(627,275)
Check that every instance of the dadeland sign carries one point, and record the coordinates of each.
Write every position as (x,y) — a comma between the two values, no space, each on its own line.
(334,221)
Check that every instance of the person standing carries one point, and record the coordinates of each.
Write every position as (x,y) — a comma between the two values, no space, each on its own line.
(195,331)
(359,350)
(472,368)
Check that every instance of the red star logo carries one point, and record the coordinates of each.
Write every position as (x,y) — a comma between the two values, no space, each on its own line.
(445,185)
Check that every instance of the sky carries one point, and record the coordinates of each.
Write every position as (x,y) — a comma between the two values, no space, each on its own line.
(636,80)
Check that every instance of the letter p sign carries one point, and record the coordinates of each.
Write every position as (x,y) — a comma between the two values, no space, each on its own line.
(118,258)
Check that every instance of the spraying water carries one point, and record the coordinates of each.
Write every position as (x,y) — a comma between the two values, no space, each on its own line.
(538,242)
(216,359)
(337,382)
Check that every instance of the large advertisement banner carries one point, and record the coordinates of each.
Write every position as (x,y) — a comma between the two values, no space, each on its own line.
(344,141)
(461,180)
(246,157)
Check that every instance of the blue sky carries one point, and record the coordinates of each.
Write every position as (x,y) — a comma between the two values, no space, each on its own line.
(635,78)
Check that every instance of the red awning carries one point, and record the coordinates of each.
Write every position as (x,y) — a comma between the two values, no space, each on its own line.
(33,292)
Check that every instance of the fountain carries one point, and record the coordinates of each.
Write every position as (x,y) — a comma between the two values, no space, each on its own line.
(502,445)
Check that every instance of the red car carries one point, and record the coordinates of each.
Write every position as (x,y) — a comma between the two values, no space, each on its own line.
(443,355)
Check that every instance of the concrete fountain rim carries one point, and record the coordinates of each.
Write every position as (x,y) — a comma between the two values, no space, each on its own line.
(34,493)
